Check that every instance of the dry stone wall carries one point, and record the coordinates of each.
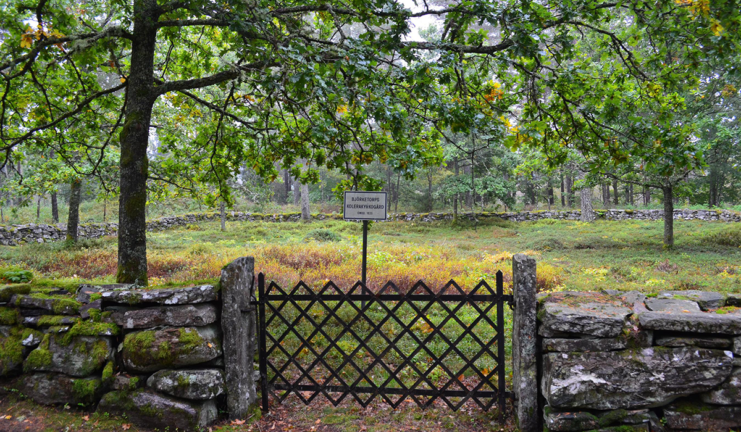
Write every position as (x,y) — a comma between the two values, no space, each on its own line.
(11,235)
(623,361)
(157,356)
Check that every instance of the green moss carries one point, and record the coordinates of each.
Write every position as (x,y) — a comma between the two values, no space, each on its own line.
(40,358)
(107,372)
(11,350)
(9,316)
(133,383)
(139,345)
(85,389)
(53,320)
(27,332)
(9,291)
(690,407)
(59,305)
(95,296)
(95,314)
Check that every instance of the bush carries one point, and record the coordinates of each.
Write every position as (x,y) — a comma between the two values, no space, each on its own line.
(547,244)
(730,237)
(323,235)
(17,276)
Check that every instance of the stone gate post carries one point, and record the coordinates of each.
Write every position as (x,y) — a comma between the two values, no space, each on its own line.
(524,343)
(238,322)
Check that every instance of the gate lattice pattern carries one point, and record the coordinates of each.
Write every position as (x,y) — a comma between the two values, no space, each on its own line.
(394,345)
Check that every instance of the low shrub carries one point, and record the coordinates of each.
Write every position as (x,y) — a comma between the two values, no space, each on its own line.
(323,235)
(729,237)
(16,276)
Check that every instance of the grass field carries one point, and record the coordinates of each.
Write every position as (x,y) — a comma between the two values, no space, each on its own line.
(571,255)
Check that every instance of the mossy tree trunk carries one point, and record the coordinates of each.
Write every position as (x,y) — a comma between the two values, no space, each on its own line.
(222,213)
(134,138)
(73,220)
(668,216)
(54,208)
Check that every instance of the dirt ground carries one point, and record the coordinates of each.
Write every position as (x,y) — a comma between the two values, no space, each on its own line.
(18,414)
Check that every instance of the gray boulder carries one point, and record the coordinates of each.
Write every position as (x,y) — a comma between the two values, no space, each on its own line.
(169,296)
(582,313)
(693,415)
(699,341)
(698,322)
(672,305)
(729,393)
(77,356)
(55,304)
(149,409)
(705,299)
(152,350)
(177,316)
(84,291)
(125,382)
(197,384)
(54,388)
(640,378)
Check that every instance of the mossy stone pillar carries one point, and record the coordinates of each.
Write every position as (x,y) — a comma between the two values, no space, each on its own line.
(525,343)
(238,323)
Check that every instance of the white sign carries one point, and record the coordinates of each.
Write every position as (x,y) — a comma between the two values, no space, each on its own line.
(365,205)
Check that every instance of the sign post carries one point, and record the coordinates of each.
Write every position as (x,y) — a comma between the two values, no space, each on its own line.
(365,206)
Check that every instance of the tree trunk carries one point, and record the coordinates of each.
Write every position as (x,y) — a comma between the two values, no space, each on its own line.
(134,137)
(606,195)
(296,192)
(105,211)
(305,211)
(222,214)
(631,194)
(73,220)
(54,208)
(615,193)
(570,190)
(396,193)
(563,198)
(286,186)
(587,212)
(668,216)
(551,200)
(455,197)
(646,195)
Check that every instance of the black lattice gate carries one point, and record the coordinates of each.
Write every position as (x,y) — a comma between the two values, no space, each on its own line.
(415,345)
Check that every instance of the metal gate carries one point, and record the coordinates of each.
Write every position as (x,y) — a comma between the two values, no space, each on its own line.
(417,345)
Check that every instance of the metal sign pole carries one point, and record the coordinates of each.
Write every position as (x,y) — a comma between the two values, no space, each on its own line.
(365,258)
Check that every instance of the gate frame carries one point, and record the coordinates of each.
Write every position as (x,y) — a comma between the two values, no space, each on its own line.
(500,395)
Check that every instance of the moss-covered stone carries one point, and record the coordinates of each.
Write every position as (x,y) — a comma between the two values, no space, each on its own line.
(77,356)
(149,409)
(60,305)
(55,388)
(9,316)
(11,351)
(8,291)
(151,350)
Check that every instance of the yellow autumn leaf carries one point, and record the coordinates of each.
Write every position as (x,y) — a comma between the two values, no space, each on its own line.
(123,80)
(26,40)
(716,28)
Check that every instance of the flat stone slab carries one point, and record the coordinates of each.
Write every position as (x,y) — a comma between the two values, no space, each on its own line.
(196,384)
(167,296)
(631,379)
(692,415)
(59,305)
(176,316)
(582,313)
(728,393)
(733,300)
(49,320)
(577,421)
(698,322)
(702,342)
(672,305)
(149,409)
(153,350)
(54,388)
(583,345)
(84,291)
(705,299)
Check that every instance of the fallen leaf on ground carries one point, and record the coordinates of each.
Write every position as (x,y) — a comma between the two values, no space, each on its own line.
(237,422)
(126,426)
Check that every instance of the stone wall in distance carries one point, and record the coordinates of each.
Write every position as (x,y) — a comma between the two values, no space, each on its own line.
(11,235)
